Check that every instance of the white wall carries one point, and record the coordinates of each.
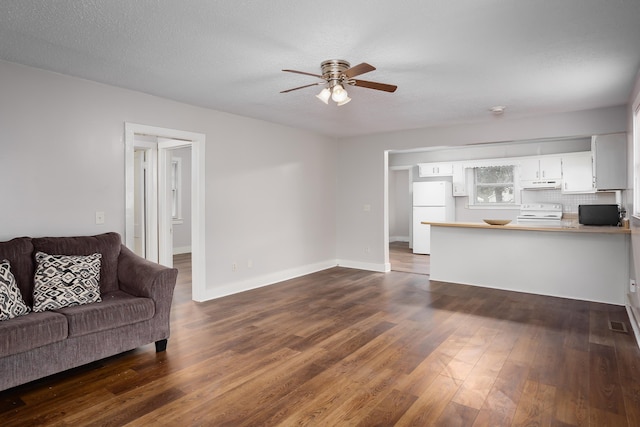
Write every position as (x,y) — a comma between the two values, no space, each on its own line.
(361,167)
(270,190)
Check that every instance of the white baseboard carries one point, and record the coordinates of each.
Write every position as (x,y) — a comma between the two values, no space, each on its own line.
(634,319)
(182,250)
(280,276)
(398,239)
(266,280)
(381,268)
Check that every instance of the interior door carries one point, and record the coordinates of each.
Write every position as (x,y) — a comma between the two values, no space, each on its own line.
(140,199)
(165,198)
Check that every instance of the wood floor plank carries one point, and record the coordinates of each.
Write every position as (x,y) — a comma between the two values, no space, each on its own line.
(501,402)
(536,406)
(457,415)
(431,403)
(351,347)
(605,392)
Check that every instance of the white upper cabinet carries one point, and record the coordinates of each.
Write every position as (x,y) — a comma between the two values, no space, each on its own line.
(537,172)
(610,161)
(577,173)
(435,169)
(459,180)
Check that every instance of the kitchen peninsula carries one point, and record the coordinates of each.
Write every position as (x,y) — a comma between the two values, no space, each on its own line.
(569,260)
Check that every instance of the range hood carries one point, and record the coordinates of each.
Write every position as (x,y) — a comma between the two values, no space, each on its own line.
(540,184)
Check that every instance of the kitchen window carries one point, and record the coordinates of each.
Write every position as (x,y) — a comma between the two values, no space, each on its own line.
(494,186)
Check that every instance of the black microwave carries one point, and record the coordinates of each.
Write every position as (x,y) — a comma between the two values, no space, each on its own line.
(599,214)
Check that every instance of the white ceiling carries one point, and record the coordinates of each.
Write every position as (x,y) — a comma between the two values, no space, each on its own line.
(451,60)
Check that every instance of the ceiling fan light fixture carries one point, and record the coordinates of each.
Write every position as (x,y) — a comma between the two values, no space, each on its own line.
(324,95)
(346,101)
(339,94)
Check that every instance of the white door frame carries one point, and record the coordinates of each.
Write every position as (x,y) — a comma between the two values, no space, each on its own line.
(197,142)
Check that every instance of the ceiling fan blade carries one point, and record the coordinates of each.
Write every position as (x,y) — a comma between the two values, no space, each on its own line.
(375,85)
(302,87)
(359,69)
(305,73)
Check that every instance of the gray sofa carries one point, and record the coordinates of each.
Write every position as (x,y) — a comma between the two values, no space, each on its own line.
(135,309)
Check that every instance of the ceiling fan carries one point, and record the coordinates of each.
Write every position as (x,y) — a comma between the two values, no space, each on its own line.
(336,73)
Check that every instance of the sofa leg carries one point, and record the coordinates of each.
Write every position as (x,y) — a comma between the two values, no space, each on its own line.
(161,345)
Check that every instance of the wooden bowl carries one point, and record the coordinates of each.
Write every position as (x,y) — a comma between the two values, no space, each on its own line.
(497,221)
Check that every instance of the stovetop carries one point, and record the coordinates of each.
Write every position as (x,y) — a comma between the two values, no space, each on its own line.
(546,212)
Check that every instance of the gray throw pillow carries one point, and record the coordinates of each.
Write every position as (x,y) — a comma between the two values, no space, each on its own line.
(11,302)
(66,280)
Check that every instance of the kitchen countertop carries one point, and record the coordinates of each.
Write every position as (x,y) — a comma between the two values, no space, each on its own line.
(570,226)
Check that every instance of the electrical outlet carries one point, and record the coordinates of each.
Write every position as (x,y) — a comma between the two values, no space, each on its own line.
(367,250)
(234,267)
(99,217)
(632,285)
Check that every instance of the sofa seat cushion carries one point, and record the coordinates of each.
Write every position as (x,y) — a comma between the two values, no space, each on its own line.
(116,309)
(34,330)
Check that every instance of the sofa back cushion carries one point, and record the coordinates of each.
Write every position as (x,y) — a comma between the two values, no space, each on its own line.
(107,244)
(19,252)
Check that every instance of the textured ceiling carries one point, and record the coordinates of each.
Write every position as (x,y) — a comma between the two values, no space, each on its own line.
(451,60)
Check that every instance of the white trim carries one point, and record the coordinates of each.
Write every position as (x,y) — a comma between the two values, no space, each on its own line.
(635,144)
(265,280)
(634,320)
(182,250)
(380,268)
(198,231)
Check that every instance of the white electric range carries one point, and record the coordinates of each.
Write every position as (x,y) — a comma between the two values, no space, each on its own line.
(540,214)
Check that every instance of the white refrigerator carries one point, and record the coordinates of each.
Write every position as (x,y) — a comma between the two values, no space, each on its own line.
(432,201)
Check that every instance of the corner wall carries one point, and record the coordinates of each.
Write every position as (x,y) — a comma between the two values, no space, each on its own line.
(270,190)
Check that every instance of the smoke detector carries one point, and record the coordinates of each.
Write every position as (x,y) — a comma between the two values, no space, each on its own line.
(498,109)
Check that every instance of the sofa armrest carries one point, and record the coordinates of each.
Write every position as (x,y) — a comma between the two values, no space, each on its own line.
(142,278)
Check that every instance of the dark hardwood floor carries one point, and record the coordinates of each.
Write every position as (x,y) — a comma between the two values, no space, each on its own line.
(345,347)
(402,258)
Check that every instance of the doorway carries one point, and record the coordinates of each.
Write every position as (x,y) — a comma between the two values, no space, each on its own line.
(150,172)
(401,256)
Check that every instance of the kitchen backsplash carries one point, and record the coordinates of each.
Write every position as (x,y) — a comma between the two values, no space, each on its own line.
(569,202)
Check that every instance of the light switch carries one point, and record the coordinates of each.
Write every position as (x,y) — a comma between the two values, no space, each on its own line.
(99,217)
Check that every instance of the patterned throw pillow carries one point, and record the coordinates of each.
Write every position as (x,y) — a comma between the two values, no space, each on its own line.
(66,280)
(11,302)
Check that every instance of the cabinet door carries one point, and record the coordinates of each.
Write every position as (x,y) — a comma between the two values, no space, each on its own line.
(610,161)
(577,173)
(435,169)
(459,180)
(530,170)
(550,168)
